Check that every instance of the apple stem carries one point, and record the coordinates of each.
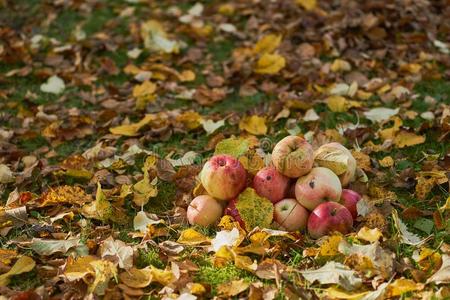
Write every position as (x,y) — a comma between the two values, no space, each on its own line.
(333,212)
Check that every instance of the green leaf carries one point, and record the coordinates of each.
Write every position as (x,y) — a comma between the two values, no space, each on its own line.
(254,209)
(424,225)
(233,146)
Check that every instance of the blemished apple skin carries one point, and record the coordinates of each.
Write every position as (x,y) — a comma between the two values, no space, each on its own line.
(293,156)
(223,177)
(290,215)
(349,175)
(329,217)
(349,199)
(271,184)
(319,186)
(231,210)
(204,210)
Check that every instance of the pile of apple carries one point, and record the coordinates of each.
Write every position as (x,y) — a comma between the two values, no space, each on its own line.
(305,187)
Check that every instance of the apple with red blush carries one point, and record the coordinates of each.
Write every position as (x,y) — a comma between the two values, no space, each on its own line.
(318,186)
(349,199)
(223,177)
(293,156)
(271,184)
(290,215)
(204,210)
(329,217)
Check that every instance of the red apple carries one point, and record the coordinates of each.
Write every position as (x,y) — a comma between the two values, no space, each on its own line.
(231,210)
(337,158)
(204,210)
(223,177)
(290,215)
(293,156)
(349,199)
(319,186)
(329,217)
(269,183)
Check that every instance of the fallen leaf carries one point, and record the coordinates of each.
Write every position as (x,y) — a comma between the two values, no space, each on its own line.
(247,201)
(141,222)
(49,247)
(65,194)
(267,44)
(427,180)
(137,278)
(186,160)
(405,139)
(442,276)
(119,251)
(253,124)
(156,39)
(210,126)
(401,286)
(270,64)
(7,255)
(23,265)
(369,235)
(6,175)
(225,238)
(54,85)
(405,235)
(334,273)
(336,293)
(386,162)
(232,288)
(132,129)
(191,237)
(307,4)
(340,65)
(380,114)
(340,104)
(233,146)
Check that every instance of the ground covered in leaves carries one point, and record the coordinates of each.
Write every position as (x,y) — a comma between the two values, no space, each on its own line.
(109,108)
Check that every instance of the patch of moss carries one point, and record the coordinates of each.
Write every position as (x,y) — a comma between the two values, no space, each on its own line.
(149,257)
(218,275)
(25,281)
(164,200)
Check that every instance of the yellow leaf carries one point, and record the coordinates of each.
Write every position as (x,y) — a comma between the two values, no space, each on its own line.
(336,293)
(145,89)
(7,255)
(65,194)
(252,163)
(427,180)
(164,277)
(270,64)
(196,288)
(137,278)
(190,119)
(132,129)
(226,9)
(223,256)
(267,44)
(187,75)
(156,39)
(232,288)
(369,235)
(23,264)
(252,218)
(330,246)
(96,272)
(340,104)
(100,209)
(405,139)
(401,286)
(446,206)
(340,65)
(307,4)
(253,124)
(389,133)
(411,68)
(191,237)
(386,162)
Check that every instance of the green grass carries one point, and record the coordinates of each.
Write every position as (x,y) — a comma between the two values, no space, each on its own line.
(164,201)
(26,281)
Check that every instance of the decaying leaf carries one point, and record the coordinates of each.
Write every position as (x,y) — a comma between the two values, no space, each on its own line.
(6,175)
(267,44)
(233,288)
(132,129)
(334,273)
(232,146)
(119,251)
(192,238)
(406,139)
(23,265)
(54,85)
(252,218)
(270,64)
(156,39)
(380,114)
(405,235)
(48,247)
(253,124)
(442,276)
